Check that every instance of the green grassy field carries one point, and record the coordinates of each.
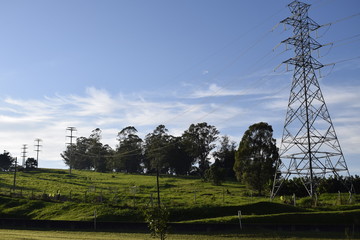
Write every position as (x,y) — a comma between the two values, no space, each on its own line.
(56,195)
(55,235)
(122,189)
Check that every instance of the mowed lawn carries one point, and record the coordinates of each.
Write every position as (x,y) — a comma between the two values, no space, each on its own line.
(56,235)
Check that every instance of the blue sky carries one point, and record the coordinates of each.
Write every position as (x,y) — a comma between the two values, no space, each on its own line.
(110,64)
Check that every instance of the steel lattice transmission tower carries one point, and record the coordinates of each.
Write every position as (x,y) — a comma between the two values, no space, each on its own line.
(71,136)
(37,150)
(309,148)
(24,148)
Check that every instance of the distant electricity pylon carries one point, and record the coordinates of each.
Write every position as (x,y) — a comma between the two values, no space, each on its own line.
(24,148)
(37,149)
(309,147)
(71,136)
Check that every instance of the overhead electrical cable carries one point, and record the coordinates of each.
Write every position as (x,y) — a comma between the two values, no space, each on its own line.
(227,45)
(215,93)
(233,61)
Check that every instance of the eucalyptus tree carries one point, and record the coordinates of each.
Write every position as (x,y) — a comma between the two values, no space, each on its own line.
(78,152)
(225,156)
(200,141)
(6,161)
(180,161)
(31,163)
(129,153)
(157,145)
(88,153)
(256,156)
(97,152)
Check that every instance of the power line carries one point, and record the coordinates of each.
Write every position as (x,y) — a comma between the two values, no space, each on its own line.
(229,64)
(254,84)
(215,93)
(227,45)
(342,19)
(346,60)
(328,25)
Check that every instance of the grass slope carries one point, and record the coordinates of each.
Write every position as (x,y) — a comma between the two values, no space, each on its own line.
(56,195)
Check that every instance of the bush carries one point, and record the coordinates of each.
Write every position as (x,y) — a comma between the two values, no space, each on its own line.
(157,219)
(215,174)
(306,202)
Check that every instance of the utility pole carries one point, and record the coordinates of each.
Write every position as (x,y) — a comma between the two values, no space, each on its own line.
(14,183)
(71,137)
(24,148)
(309,147)
(37,149)
(158,186)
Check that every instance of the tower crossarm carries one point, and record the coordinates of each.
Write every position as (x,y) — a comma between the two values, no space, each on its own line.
(297,40)
(297,21)
(304,61)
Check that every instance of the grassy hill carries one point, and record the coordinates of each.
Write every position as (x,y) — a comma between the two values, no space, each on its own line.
(56,195)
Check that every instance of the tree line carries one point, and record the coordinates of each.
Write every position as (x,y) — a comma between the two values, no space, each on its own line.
(7,162)
(252,163)
(188,154)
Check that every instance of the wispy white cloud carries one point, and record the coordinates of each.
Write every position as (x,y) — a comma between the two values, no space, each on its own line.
(342,94)
(213,90)
(47,118)
(344,109)
(96,102)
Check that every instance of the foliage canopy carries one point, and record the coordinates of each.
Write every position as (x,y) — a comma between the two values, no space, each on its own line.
(256,156)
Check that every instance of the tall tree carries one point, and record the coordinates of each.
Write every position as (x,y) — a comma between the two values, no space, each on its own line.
(31,163)
(129,151)
(97,151)
(157,150)
(215,174)
(256,156)
(199,140)
(6,161)
(225,155)
(79,154)
(96,135)
(180,162)
(88,153)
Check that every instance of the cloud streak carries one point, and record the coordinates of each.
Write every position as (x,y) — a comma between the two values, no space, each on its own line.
(47,118)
